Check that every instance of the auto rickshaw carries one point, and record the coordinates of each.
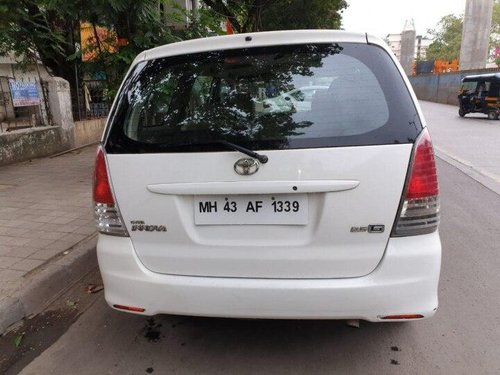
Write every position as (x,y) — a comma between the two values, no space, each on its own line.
(480,94)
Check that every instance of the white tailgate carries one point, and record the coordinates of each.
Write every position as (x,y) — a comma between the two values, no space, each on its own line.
(344,189)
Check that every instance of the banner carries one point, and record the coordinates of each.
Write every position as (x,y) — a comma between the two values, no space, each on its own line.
(24,94)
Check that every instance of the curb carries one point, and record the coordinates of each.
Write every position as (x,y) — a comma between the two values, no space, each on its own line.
(485,180)
(48,282)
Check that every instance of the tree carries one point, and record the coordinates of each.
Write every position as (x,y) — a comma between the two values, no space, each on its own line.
(495,32)
(49,31)
(447,39)
(244,15)
(448,36)
(134,27)
(43,29)
(300,14)
(264,15)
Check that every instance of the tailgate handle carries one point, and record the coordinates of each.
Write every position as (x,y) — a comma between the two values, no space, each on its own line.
(253,187)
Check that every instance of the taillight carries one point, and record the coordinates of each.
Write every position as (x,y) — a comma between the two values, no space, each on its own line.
(106,213)
(419,210)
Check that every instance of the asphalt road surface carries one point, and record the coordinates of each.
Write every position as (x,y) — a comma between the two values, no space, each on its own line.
(474,141)
(463,338)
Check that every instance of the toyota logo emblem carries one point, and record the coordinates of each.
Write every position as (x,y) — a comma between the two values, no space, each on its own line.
(246,166)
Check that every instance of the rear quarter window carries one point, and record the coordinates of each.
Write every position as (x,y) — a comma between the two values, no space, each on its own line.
(280,97)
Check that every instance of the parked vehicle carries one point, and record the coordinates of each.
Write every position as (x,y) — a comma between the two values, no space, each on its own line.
(209,204)
(480,94)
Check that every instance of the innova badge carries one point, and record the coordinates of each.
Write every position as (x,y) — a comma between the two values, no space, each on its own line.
(246,166)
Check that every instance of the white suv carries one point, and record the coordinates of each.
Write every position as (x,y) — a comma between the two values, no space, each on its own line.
(209,204)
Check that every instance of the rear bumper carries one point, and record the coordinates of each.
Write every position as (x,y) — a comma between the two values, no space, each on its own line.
(405,282)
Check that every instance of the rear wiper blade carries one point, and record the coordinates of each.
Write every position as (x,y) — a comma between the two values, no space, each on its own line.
(262,158)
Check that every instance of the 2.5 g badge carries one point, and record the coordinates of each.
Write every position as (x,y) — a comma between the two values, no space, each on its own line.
(372,228)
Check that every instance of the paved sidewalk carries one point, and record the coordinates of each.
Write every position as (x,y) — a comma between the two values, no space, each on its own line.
(45,209)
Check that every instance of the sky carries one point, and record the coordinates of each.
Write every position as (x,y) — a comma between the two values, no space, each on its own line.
(382,17)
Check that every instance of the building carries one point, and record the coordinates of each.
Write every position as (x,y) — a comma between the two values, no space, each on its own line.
(394,42)
(421,45)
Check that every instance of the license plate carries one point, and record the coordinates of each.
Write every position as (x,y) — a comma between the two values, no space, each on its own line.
(284,209)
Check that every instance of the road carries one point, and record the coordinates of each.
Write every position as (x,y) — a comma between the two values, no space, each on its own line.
(463,338)
(472,141)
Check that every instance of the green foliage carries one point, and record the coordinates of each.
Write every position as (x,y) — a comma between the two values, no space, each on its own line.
(299,14)
(243,14)
(19,339)
(43,28)
(203,22)
(495,20)
(448,36)
(447,39)
(137,23)
(49,30)
(264,15)
(495,28)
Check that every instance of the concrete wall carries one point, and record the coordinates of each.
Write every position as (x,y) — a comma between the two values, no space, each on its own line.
(31,143)
(442,88)
(25,144)
(60,108)
(88,131)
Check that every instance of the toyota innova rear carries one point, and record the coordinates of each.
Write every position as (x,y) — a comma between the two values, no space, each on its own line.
(217,195)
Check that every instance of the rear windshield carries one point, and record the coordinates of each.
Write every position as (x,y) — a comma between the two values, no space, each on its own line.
(280,97)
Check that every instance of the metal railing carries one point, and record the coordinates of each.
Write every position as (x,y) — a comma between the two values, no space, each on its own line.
(90,102)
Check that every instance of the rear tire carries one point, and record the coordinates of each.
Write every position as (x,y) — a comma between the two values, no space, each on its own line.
(493,115)
(461,112)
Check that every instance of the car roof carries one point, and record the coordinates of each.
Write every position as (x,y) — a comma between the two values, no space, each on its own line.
(257,39)
(482,77)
